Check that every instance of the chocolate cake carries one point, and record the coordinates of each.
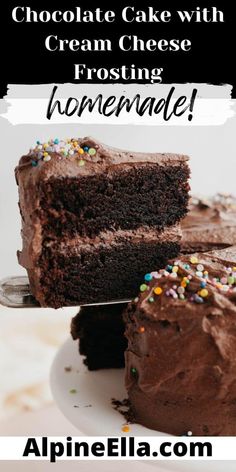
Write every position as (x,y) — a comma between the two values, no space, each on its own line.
(100,330)
(94,218)
(210,224)
(181,356)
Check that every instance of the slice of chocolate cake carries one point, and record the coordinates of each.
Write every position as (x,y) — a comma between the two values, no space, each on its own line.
(94,218)
(210,224)
(100,330)
(181,356)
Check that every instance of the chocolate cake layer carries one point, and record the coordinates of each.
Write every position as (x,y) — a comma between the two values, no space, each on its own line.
(181,356)
(210,224)
(100,330)
(121,198)
(72,273)
(76,198)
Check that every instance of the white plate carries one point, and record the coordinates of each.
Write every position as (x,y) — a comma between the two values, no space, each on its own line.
(84,398)
(95,388)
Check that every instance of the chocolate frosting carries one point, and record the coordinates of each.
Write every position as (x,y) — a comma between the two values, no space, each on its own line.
(105,157)
(181,357)
(111,238)
(209,224)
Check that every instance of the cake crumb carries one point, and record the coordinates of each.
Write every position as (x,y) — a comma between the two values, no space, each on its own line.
(124,408)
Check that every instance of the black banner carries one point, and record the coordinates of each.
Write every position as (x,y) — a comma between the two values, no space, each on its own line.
(43,43)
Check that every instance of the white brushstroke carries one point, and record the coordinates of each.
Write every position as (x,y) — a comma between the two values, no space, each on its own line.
(28,104)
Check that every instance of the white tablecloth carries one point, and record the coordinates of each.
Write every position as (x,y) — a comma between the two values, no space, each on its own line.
(29,339)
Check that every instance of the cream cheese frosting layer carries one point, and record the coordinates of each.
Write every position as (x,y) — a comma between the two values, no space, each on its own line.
(105,238)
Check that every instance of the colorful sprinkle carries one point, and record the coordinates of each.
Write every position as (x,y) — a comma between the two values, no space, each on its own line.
(92,151)
(148,277)
(86,148)
(81,162)
(230,280)
(73,390)
(188,433)
(125,428)
(180,290)
(225,288)
(193,260)
(203,293)
(223,280)
(141,329)
(133,371)
(173,293)
(219,286)
(158,290)
(151,299)
(47,158)
(143,287)
(200,267)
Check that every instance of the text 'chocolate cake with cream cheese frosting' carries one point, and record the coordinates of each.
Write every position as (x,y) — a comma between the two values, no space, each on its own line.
(181,355)
(95,218)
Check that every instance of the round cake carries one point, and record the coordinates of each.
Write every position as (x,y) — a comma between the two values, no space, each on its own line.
(181,356)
